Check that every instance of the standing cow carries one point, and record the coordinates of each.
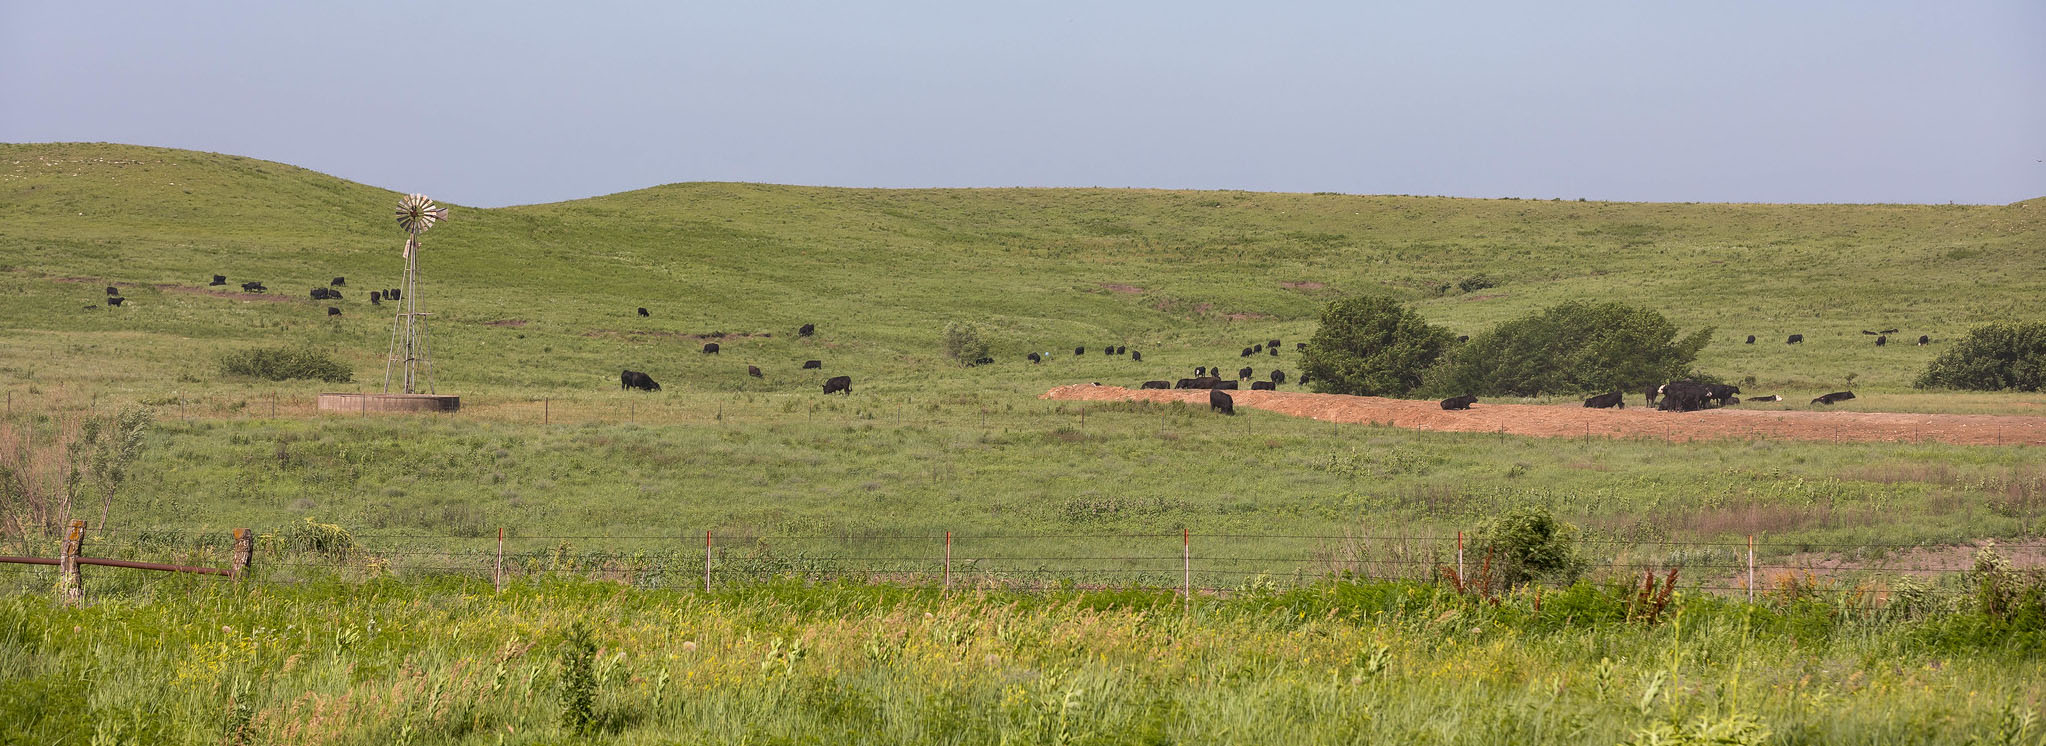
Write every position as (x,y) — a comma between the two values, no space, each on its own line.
(838,385)
(1218,401)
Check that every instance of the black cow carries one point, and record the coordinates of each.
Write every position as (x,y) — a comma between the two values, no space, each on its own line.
(1684,396)
(754,371)
(253,287)
(838,384)
(1200,370)
(1246,352)
(1751,339)
(1273,350)
(1462,338)
(1723,392)
(1259,347)
(332,311)
(1891,330)
(710,348)
(1157,384)
(1606,401)
(1882,339)
(813,365)
(1459,402)
(1184,383)
(1650,393)
(111,290)
(338,281)
(1869,333)
(393,294)
(1771,397)
(642,311)
(983,361)
(116,300)
(218,280)
(1303,379)
(633,379)
(334,295)
(1121,349)
(1231,385)
(1278,376)
(1034,358)
(1302,346)
(1199,382)
(319,293)
(1242,373)
(1136,357)
(1221,402)
(376,298)
(1924,340)
(1080,350)
(806,330)
(1834,398)
(1795,339)
(1261,385)
(1273,343)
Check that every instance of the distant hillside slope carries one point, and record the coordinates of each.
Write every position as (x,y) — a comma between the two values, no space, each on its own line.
(1192,272)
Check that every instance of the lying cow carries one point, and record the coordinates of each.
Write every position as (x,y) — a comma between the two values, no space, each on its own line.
(1459,402)
(1606,401)
(1261,386)
(338,281)
(332,311)
(806,330)
(1834,398)
(1795,339)
(813,365)
(1769,398)
(1157,385)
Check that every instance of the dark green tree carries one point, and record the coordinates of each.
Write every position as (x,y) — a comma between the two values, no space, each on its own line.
(1372,346)
(1526,545)
(1576,347)
(2007,355)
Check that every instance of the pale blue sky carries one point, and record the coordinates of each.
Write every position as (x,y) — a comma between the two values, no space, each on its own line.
(506,103)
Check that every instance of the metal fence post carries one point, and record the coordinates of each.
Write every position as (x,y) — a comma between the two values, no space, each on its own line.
(244,553)
(1751,568)
(497,574)
(948,560)
(69,585)
(706,561)
(1186,565)
(1459,556)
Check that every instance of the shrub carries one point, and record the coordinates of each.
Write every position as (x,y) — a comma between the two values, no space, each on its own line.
(2008,355)
(285,363)
(1476,282)
(1571,348)
(579,680)
(1372,346)
(963,342)
(1528,545)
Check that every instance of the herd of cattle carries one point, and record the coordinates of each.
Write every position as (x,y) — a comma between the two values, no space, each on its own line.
(1675,396)
(638,380)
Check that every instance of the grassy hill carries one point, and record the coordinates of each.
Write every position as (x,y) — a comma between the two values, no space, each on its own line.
(537,303)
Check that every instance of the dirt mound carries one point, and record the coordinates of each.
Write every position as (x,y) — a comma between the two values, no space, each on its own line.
(1633,422)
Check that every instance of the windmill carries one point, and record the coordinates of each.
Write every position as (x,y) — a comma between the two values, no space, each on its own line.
(415,214)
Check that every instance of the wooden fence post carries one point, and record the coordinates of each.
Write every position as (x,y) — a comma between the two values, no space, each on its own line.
(546,410)
(244,553)
(1186,566)
(1459,557)
(497,575)
(948,560)
(69,584)
(706,561)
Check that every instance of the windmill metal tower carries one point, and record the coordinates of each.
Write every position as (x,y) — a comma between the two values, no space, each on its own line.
(408,360)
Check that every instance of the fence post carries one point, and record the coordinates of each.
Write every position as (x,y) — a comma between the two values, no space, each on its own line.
(1751,568)
(1186,565)
(244,553)
(546,410)
(69,584)
(948,560)
(1459,556)
(706,561)
(497,574)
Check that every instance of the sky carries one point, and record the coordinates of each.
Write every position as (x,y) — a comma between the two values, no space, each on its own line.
(501,103)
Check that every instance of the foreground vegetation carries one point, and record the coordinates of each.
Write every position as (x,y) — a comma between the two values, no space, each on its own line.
(561,661)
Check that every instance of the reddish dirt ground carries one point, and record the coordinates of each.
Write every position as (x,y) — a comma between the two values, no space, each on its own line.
(1633,422)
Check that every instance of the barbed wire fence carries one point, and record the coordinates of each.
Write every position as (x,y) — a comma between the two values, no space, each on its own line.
(1195,564)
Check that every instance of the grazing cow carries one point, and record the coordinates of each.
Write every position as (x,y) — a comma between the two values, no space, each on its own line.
(115,300)
(111,290)
(1751,339)
(1200,370)
(376,298)
(1924,340)
(838,384)
(1271,344)
(1891,330)
(1795,339)
(253,287)
(1157,384)
(1834,398)
(218,280)
(710,349)
(332,311)
(1684,396)
(1278,376)
(633,379)
(806,330)
(1221,402)
(1261,385)
(1034,357)
(1231,385)
(1303,379)
(1771,397)
(1246,353)
(1121,349)
(1273,350)
(1723,392)
(338,281)
(1242,373)
(319,293)
(392,294)
(1869,333)
(813,365)
(754,371)
(1302,346)
(642,311)
(1136,357)
(1605,401)
(1080,350)
(1882,339)
(1256,348)
(1459,402)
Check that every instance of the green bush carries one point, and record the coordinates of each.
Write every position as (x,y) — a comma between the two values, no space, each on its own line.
(579,680)
(1372,346)
(1572,348)
(2009,355)
(963,342)
(1528,545)
(284,364)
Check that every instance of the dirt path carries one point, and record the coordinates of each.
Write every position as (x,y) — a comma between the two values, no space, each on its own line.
(1634,421)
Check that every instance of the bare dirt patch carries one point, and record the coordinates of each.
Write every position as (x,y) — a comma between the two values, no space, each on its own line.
(1120,288)
(1633,422)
